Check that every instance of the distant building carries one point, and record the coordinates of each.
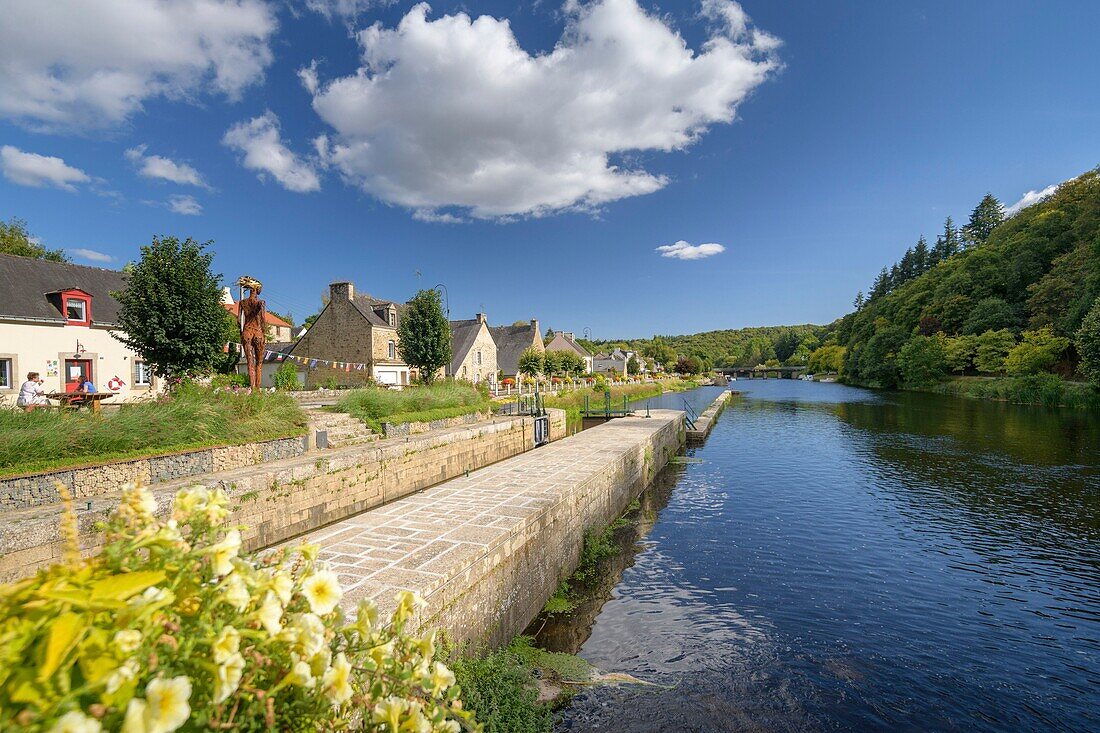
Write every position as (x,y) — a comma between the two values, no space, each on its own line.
(511,341)
(564,341)
(617,361)
(473,351)
(57,319)
(353,329)
(278,330)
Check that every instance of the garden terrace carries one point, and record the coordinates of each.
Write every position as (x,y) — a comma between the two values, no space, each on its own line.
(377,406)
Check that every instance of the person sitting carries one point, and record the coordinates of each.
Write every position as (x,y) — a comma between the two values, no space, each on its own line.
(87,386)
(31,394)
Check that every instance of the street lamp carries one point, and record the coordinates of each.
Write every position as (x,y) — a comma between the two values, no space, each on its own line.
(447,298)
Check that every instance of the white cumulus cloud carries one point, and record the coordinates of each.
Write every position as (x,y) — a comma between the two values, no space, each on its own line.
(183,204)
(453,112)
(79,64)
(345,9)
(260,144)
(90,254)
(683,251)
(39,171)
(165,169)
(1031,197)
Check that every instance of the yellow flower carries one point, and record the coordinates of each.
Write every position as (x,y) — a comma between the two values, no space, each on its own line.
(311,634)
(271,614)
(223,552)
(167,705)
(389,711)
(128,641)
(323,592)
(450,726)
(366,617)
(235,593)
(407,604)
(75,721)
(301,675)
(188,501)
(215,510)
(338,680)
(226,645)
(426,646)
(442,678)
(134,721)
(229,677)
(283,585)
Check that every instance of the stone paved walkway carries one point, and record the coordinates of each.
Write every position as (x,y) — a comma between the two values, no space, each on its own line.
(423,541)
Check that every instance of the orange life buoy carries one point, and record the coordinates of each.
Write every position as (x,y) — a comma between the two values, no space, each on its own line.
(115,384)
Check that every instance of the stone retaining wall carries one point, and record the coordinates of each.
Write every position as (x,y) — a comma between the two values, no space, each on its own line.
(281,500)
(40,489)
(705,423)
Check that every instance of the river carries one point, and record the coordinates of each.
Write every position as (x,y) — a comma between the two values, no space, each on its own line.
(840,559)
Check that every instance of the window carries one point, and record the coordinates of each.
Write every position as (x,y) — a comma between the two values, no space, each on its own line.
(479,358)
(393,318)
(6,374)
(142,376)
(392,349)
(76,309)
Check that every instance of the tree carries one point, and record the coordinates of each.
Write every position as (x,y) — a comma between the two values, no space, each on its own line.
(986,215)
(633,366)
(960,352)
(991,350)
(922,361)
(552,362)
(858,302)
(1038,351)
(920,256)
(990,314)
(171,309)
(827,359)
(786,345)
(16,240)
(424,335)
(571,362)
(661,353)
(878,358)
(687,365)
(1088,344)
(531,362)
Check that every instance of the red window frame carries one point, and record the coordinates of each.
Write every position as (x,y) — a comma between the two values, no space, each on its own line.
(66,296)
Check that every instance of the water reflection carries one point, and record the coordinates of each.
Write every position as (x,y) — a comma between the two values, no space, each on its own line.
(843,559)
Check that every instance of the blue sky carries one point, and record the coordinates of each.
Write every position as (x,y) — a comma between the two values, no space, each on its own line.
(481,164)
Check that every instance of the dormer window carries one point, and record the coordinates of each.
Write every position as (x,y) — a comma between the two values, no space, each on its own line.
(76,306)
(76,309)
(393,317)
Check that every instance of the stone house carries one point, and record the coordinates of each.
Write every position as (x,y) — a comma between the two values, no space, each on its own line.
(473,351)
(511,341)
(565,341)
(58,319)
(352,329)
(616,361)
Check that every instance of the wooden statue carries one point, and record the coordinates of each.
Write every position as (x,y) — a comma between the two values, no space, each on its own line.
(253,340)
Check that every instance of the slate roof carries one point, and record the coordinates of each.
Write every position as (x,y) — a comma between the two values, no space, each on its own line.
(374,310)
(511,341)
(463,335)
(269,318)
(25,284)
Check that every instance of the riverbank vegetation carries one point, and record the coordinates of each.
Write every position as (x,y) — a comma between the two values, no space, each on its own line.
(1008,297)
(424,403)
(573,401)
(188,418)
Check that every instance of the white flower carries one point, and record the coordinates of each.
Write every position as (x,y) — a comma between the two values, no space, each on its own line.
(301,674)
(323,592)
(338,680)
(390,711)
(215,510)
(127,671)
(188,501)
(226,645)
(75,721)
(283,585)
(128,641)
(223,553)
(229,677)
(150,596)
(134,721)
(311,634)
(235,593)
(167,705)
(271,614)
(442,678)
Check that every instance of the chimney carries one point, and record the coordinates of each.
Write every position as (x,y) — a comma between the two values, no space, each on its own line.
(341,291)
(568,335)
(481,318)
(535,325)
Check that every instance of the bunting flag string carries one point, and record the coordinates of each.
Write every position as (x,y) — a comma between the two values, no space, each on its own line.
(307,361)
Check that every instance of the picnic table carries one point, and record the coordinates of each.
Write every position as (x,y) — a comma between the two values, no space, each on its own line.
(75,399)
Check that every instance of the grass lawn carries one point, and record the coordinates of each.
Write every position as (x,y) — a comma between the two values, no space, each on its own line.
(194,417)
(377,405)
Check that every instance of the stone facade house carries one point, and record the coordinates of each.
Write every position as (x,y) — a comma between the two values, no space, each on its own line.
(473,351)
(57,319)
(565,341)
(616,362)
(511,341)
(353,328)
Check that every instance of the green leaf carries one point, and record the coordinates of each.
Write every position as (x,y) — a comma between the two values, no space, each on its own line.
(121,587)
(65,632)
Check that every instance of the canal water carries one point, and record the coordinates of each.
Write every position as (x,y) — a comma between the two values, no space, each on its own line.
(840,559)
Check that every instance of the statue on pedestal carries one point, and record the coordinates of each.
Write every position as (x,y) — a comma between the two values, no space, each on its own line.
(253,340)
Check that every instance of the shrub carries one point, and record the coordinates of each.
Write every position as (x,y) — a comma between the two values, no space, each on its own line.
(500,688)
(960,352)
(170,628)
(286,376)
(922,361)
(224,381)
(1088,344)
(992,348)
(1038,351)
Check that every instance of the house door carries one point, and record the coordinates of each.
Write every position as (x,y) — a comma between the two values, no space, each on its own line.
(76,371)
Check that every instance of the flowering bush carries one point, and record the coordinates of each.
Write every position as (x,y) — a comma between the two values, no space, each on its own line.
(171,628)
(508,381)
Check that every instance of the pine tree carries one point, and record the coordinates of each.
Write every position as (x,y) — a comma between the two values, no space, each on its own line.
(858,302)
(882,284)
(921,256)
(906,269)
(986,215)
(951,242)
